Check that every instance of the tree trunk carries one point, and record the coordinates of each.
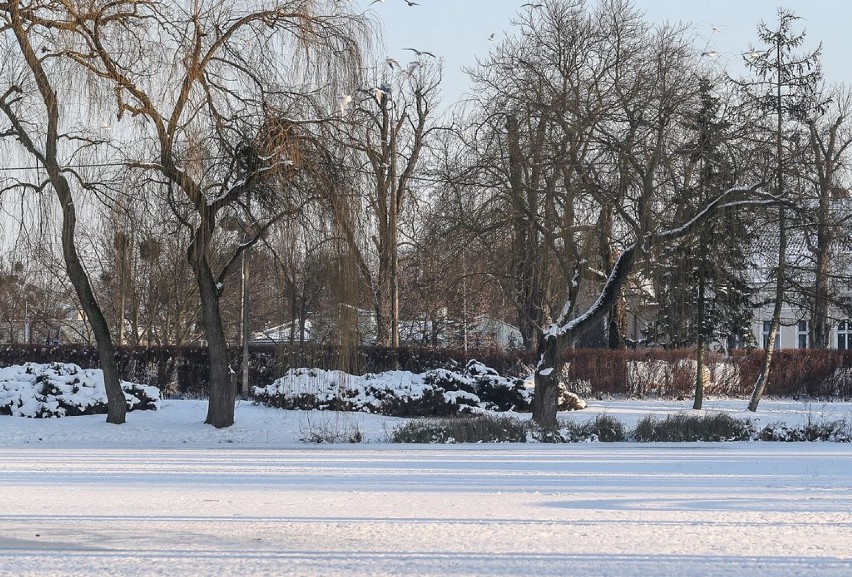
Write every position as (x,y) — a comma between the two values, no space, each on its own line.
(699,375)
(384,313)
(245,390)
(116,403)
(546,392)
(819,322)
(551,344)
(819,316)
(699,341)
(223,390)
(617,325)
(763,377)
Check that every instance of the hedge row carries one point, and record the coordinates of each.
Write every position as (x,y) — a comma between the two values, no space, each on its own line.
(591,372)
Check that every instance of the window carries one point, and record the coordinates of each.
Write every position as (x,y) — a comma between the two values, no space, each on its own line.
(766,326)
(802,334)
(844,335)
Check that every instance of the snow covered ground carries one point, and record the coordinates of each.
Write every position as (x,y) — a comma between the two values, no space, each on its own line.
(166,495)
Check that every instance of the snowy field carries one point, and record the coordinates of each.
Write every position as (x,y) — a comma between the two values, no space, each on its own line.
(166,495)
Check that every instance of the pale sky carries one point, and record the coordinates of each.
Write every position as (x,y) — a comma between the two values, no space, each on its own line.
(458,30)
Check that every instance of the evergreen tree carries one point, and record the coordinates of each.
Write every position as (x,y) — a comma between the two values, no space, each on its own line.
(702,291)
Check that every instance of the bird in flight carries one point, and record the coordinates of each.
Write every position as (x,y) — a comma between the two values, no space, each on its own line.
(410,3)
(420,53)
(380,92)
(412,66)
(392,62)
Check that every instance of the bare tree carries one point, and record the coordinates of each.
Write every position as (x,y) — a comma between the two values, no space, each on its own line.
(592,106)
(826,213)
(42,135)
(523,158)
(390,124)
(784,90)
(222,116)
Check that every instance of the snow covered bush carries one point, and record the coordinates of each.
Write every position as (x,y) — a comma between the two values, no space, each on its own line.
(838,385)
(63,390)
(685,427)
(648,377)
(439,392)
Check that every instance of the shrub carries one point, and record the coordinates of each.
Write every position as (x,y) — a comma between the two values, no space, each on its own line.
(64,389)
(602,428)
(182,371)
(477,429)
(839,431)
(436,393)
(324,431)
(609,429)
(690,428)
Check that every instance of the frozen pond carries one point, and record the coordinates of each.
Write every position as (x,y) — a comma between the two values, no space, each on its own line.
(592,509)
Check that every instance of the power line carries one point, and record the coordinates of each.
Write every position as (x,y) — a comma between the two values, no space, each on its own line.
(39,167)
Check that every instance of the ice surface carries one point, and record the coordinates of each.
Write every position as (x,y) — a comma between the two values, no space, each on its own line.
(166,495)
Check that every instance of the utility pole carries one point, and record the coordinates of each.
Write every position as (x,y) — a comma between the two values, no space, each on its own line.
(26,322)
(244,318)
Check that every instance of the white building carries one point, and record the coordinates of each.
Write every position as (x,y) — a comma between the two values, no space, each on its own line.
(795,328)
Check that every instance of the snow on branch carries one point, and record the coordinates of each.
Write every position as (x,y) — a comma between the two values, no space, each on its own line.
(711,208)
(622,267)
(564,328)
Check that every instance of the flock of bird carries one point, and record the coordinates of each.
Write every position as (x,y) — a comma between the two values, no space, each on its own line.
(384,90)
(409,2)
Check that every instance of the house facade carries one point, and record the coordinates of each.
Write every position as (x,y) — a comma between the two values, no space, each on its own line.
(794,332)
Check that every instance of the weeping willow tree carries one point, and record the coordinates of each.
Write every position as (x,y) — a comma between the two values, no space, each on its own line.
(214,95)
(44,125)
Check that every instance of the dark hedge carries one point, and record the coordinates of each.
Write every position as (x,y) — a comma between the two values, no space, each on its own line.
(183,371)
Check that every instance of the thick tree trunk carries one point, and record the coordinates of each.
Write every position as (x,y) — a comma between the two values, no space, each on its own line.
(223,390)
(546,393)
(563,333)
(617,325)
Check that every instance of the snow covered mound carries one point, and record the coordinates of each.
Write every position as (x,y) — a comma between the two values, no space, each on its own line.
(439,392)
(62,389)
